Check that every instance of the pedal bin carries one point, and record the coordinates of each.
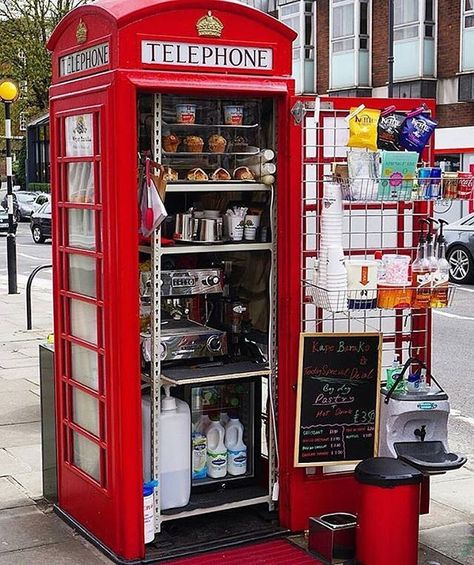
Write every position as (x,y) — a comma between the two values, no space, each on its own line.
(388,518)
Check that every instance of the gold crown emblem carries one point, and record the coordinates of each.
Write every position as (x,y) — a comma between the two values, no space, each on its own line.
(81,32)
(209,26)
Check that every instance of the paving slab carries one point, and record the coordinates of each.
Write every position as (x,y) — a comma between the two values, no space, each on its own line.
(69,553)
(20,373)
(427,556)
(31,482)
(458,494)
(463,473)
(11,496)
(20,361)
(17,385)
(29,455)
(455,541)
(19,408)
(13,435)
(9,465)
(442,515)
(25,527)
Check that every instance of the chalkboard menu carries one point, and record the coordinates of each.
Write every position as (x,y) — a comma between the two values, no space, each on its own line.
(338,398)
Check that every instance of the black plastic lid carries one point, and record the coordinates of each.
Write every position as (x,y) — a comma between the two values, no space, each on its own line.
(386,472)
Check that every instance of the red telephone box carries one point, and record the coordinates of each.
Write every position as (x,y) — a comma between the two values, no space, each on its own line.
(206,90)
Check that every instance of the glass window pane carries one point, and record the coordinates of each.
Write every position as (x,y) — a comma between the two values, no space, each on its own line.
(82,275)
(429,10)
(85,411)
(80,182)
(363,18)
(79,136)
(406,33)
(405,11)
(344,45)
(469,21)
(469,5)
(85,366)
(81,229)
(84,321)
(86,456)
(343,20)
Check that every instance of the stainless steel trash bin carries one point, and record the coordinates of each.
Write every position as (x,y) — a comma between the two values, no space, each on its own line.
(332,537)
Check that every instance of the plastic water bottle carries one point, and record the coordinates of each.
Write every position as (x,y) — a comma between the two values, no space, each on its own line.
(175,452)
(236,448)
(216,451)
(199,442)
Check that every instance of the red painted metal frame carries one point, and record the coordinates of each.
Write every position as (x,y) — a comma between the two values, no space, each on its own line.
(301,494)
(114,514)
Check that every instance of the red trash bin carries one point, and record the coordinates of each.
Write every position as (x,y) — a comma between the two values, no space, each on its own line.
(387,522)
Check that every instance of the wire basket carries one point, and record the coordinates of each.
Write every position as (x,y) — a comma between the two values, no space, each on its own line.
(385,190)
(382,298)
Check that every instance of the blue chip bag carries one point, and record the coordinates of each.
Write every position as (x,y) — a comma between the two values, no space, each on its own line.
(416,132)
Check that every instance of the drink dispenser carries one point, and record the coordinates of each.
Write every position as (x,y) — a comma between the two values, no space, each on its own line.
(414,425)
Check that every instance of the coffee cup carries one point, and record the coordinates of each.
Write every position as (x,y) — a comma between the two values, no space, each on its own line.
(252,223)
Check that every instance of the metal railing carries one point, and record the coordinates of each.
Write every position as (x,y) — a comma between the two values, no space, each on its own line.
(34,272)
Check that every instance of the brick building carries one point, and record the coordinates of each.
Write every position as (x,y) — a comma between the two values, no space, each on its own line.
(342,50)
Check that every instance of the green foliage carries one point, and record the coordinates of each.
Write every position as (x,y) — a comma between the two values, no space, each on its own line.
(39,187)
(25,26)
(19,166)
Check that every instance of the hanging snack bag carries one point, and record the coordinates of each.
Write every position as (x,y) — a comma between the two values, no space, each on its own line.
(363,128)
(389,129)
(416,132)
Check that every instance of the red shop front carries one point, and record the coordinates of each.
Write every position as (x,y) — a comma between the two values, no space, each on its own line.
(213,311)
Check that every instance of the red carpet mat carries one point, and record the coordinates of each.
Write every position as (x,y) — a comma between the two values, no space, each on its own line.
(279,552)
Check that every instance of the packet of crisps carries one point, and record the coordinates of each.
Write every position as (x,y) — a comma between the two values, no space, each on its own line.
(363,128)
(416,132)
(389,128)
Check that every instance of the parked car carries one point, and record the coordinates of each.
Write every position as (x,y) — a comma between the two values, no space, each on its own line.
(4,221)
(460,251)
(22,204)
(41,199)
(41,223)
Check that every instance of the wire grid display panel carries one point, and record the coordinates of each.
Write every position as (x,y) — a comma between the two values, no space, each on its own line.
(368,226)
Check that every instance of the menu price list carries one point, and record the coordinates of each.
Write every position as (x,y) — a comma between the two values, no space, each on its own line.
(338,395)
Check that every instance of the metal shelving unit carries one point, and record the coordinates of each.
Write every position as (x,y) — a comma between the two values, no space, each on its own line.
(240,496)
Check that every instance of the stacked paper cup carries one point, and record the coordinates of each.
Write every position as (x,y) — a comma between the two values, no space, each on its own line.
(332,272)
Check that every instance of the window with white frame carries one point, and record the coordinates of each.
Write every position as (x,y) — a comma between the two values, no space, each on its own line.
(467,30)
(349,45)
(299,16)
(414,39)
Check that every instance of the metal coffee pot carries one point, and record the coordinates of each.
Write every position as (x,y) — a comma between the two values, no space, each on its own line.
(186,227)
(209,229)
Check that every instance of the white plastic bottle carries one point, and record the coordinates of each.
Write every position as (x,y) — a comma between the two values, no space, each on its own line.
(199,442)
(224,419)
(236,448)
(202,424)
(175,452)
(216,451)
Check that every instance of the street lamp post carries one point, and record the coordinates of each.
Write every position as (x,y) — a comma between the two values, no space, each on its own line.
(8,94)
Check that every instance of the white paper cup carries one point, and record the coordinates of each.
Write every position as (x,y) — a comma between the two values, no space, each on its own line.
(235,227)
(251,225)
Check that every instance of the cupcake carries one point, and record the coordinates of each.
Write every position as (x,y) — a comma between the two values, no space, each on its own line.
(170,174)
(217,143)
(197,174)
(171,143)
(194,144)
(221,174)
(239,144)
(243,173)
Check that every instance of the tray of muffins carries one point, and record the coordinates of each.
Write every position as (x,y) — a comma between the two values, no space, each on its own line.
(214,144)
(219,174)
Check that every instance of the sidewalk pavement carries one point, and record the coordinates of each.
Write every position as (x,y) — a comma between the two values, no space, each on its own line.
(31,533)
